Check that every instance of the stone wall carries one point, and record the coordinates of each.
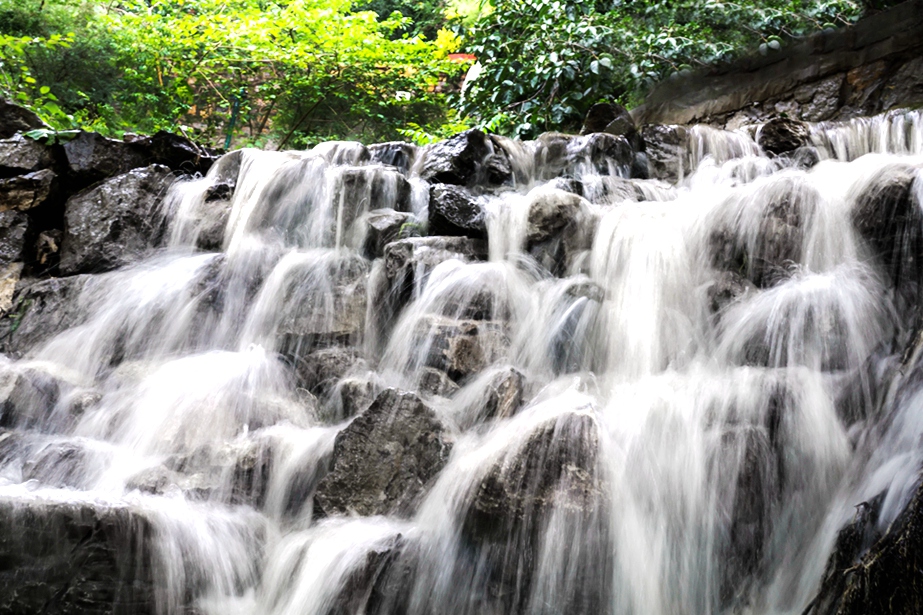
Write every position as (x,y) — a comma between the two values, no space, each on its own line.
(868,68)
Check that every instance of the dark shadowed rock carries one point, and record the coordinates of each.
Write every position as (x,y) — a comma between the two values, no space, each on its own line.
(467,159)
(40,311)
(550,211)
(602,153)
(455,211)
(503,395)
(555,467)
(20,155)
(14,118)
(782,135)
(92,157)
(666,149)
(114,223)
(360,584)
(384,460)
(27,191)
(319,371)
(177,152)
(384,226)
(435,382)
(81,557)
(360,188)
(725,290)
(890,222)
(13,228)
(397,154)
(28,396)
(351,396)
(608,117)
(73,464)
(461,348)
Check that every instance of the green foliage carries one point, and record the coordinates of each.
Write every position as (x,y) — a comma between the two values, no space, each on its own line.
(299,71)
(545,62)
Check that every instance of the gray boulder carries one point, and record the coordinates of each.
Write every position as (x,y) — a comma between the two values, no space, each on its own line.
(14,118)
(397,154)
(114,223)
(92,157)
(383,227)
(461,348)
(468,159)
(666,149)
(454,211)
(782,135)
(27,191)
(20,155)
(14,226)
(40,311)
(384,460)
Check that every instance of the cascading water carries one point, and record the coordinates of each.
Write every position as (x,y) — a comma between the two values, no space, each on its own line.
(642,398)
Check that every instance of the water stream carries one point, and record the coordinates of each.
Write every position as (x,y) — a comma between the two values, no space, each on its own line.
(708,385)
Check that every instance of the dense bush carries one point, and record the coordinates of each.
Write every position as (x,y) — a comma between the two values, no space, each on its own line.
(295,71)
(545,62)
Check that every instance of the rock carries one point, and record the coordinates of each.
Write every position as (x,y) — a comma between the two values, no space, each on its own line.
(826,99)
(550,211)
(767,257)
(14,118)
(359,187)
(745,467)
(726,289)
(384,226)
(601,153)
(21,155)
(177,152)
(13,228)
(611,118)
(880,577)
(454,211)
(351,396)
(905,88)
(323,307)
(396,154)
(503,395)
(69,464)
(114,223)
(782,135)
(461,348)
(319,371)
(342,152)
(28,396)
(666,148)
(384,460)
(40,311)
(360,584)
(9,279)
(468,159)
(435,382)
(888,218)
(27,191)
(75,557)
(555,467)
(92,157)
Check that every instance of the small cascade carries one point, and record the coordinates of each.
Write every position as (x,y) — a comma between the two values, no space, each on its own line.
(569,375)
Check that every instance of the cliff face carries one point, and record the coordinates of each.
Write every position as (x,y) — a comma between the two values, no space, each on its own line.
(871,67)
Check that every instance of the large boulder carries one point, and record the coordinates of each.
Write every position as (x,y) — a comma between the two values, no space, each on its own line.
(319,371)
(611,118)
(665,147)
(40,311)
(92,157)
(115,223)
(461,348)
(597,153)
(27,191)
(75,557)
(20,155)
(782,135)
(384,226)
(384,460)
(455,211)
(14,118)
(397,154)
(178,153)
(14,226)
(468,159)
(889,220)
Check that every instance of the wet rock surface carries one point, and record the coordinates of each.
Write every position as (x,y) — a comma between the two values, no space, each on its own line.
(20,155)
(114,223)
(384,460)
(782,135)
(58,558)
(41,310)
(385,226)
(14,118)
(27,191)
(467,159)
(454,211)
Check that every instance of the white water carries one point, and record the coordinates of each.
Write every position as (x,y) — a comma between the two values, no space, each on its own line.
(708,459)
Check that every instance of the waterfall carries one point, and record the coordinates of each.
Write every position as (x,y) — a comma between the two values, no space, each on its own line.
(606,393)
